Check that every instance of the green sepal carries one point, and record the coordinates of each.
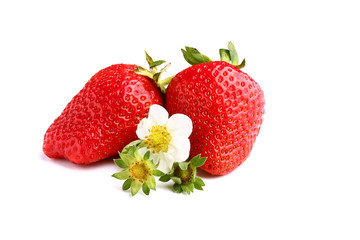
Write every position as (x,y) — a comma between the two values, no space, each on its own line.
(230,55)
(164,178)
(145,189)
(176,180)
(199,183)
(144,72)
(131,147)
(156,77)
(131,158)
(127,158)
(198,187)
(164,82)
(198,161)
(188,57)
(127,184)
(135,187)
(156,63)
(153,73)
(188,188)
(148,58)
(184,175)
(147,155)
(242,64)
(124,174)
(193,56)
(233,54)
(177,188)
(225,55)
(183,165)
(191,50)
(151,183)
(157,173)
(197,56)
(120,163)
(191,187)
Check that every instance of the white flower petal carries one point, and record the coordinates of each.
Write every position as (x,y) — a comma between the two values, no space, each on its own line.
(166,162)
(142,151)
(143,128)
(156,158)
(179,124)
(153,156)
(158,114)
(181,147)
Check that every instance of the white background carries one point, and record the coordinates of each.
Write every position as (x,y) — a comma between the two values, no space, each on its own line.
(302,178)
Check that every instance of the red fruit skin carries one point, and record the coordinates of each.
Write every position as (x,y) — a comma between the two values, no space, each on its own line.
(226,106)
(102,118)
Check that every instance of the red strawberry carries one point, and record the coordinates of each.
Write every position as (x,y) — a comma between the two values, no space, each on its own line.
(225,104)
(102,118)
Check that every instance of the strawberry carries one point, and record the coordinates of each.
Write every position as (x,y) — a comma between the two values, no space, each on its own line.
(102,118)
(225,104)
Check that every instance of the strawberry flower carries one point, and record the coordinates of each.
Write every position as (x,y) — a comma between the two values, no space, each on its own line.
(166,138)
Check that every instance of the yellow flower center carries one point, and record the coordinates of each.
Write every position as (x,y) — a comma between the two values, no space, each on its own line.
(140,171)
(158,139)
(185,175)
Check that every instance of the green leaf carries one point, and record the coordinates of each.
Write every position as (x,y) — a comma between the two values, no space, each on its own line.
(127,184)
(135,187)
(177,188)
(156,63)
(120,163)
(233,54)
(145,189)
(158,173)
(183,165)
(176,180)
(124,174)
(164,178)
(198,161)
(225,55)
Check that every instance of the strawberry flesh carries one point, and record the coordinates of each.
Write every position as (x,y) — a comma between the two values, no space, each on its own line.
(102,118)
(226,106)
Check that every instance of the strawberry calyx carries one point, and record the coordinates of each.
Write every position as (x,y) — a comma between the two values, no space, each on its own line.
(138,171)
(154,73)
(194,57)
(184,175)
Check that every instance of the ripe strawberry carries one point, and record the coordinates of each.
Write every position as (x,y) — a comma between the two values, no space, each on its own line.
(225,104)
(102,118)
